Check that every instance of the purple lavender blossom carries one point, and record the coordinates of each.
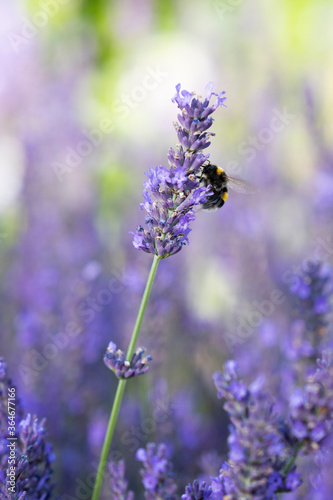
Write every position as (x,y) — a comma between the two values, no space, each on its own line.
(311,408)
(197,492)
(157,477)
(308,335)
(115,359)
(170,195)
(118,482)
(258,451)
(313,291)
(223,485)
(33,454)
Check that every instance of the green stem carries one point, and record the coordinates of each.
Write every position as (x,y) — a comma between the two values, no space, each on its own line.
(143,306)
(289,465)
(122,382)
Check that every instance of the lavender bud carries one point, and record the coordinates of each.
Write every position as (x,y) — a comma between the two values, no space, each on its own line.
(115,359)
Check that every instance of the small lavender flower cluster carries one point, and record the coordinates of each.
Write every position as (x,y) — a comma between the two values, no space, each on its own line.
(259,454)
(34,471)
(311,408)
(33,454)
(171,194)
(157,477)
(313,290)
(309,332)
(115,360)
(199,491)
(119,484)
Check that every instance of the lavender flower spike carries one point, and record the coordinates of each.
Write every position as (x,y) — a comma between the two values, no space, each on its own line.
(258,452)
(314,290)
(118,482)
(311,408)
(156,475)
(31,473)
(171,194)
(115,359)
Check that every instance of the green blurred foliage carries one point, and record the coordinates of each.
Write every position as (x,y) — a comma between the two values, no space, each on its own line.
(97,14)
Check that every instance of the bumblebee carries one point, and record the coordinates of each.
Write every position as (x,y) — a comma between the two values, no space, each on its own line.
(219,181)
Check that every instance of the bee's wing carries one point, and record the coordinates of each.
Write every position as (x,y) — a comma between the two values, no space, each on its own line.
(241,186)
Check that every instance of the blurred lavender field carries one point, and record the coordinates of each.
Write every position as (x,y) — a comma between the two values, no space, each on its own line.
(85,99)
